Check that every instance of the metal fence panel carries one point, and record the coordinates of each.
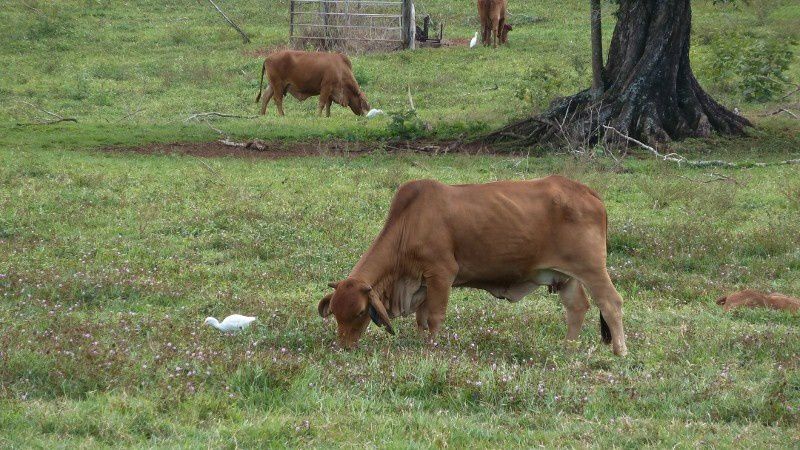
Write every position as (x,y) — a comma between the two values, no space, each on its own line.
(350,25)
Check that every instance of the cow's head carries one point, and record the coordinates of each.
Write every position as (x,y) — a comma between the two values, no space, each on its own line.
(504,33)
(357,101)
(353,303)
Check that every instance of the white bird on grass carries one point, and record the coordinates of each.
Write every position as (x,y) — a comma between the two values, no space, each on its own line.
(474,42)
(234,322)
(374,112)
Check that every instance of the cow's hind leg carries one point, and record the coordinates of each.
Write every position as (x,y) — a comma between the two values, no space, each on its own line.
(266,98)
(575,306)
(610,303)
(495,33)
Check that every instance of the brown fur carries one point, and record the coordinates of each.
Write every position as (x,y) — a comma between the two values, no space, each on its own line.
(306,74)
(492,15)
(754,299)
(505,237)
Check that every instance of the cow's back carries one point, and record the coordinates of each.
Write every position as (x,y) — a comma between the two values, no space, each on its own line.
(509,224)
(306,70)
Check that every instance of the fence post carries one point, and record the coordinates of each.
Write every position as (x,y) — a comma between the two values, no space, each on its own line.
(407,24)
(291,20)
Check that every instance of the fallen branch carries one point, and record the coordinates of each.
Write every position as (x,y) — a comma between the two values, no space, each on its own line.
(39,12)
(236,27)
(254,144)
(676,158)
(56,118)
(129,115)
(714,177)
(791,93)
(217,114)
(778,111)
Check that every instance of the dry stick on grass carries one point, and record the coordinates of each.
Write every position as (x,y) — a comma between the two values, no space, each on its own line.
(791,93)
(25,4)
(676,158)
(244,36)
(780,110)
(56,118)
(217,114)
(714,177)
(131,114)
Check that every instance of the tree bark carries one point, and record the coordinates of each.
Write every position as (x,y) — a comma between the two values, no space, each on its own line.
(597,49)
(649,90)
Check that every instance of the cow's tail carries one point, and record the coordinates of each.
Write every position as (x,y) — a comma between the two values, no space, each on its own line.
(605,332)
(261,82)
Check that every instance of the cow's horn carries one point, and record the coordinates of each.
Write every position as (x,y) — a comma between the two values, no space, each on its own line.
(376,308)
(333,284)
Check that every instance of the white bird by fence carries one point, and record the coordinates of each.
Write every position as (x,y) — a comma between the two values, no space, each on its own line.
(234,322)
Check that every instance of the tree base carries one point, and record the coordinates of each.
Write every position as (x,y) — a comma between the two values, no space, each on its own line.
(649,90)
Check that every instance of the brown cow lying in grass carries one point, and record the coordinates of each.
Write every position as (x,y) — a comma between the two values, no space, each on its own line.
(507,238)
(305,74)
(492,14)
(754,299)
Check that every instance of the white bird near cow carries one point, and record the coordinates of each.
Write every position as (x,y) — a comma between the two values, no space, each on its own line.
(474,42)
(234,322)
(374,112)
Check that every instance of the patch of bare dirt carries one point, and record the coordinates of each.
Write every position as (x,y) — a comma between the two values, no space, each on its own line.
(458,42)
(257,149)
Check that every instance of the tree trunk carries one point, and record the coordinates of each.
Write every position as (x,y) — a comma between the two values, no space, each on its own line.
(597,49)
(649,90)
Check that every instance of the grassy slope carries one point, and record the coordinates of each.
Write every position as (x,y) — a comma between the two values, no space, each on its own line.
(109,262)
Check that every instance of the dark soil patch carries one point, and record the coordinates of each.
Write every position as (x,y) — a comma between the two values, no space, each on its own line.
(279,149)
(458,42)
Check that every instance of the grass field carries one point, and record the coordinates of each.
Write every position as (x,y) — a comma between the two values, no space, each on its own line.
(109,261)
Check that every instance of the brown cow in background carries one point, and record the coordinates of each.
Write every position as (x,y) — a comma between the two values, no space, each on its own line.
(492,14)
(753,299)
(305,74)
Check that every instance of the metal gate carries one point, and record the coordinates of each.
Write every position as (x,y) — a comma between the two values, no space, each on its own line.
(351,25)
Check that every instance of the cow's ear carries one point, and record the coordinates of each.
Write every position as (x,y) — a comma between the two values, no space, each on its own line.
(324,306)
(378,312)
(334,284)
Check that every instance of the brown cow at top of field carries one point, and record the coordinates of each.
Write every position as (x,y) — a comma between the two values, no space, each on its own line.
(492,15)
(306,74)
(507,238)
(753,299)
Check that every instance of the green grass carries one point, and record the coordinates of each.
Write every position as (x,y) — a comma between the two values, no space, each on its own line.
(109,262)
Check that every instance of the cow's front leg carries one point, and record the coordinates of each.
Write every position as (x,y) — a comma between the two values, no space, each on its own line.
(438,294)
(325,101)
(422,318)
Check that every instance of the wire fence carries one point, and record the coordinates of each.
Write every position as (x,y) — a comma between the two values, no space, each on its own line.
(351,26)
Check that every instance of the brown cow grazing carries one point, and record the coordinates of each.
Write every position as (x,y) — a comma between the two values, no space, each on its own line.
(305,74)
(754,299)
(492,14)
(507,238)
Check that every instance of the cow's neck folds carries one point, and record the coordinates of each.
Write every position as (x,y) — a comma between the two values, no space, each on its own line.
(380,267)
